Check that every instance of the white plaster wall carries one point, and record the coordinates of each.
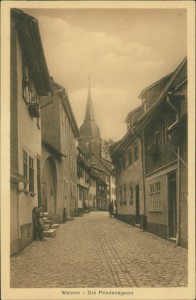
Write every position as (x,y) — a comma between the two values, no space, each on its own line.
(29,139)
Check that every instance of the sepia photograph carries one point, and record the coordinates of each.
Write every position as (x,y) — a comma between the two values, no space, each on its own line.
(98,150)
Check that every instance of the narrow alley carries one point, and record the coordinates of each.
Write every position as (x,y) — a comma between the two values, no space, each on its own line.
(98,251)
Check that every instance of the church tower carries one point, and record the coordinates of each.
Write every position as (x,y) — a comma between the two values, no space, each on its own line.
(89,140)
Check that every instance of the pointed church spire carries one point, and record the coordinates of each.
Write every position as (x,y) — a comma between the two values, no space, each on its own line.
(89,82)
(89,107)
(89,141)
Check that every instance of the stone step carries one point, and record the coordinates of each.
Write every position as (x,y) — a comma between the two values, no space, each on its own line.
(46,227)
(48,222)
(173,240)
(55,226)
(45,214)
(49,233)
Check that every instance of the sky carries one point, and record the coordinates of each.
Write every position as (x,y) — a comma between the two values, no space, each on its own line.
(125,50)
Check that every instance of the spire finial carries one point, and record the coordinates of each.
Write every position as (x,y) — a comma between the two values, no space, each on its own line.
(89,108)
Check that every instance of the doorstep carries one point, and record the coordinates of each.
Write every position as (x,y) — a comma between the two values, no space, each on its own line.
(55,226)
(49,233)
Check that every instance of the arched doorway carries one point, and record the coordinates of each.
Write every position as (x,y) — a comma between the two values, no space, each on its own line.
(49,187)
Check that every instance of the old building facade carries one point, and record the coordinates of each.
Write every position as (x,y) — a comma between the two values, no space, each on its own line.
(105,170)
(29,81)
(59,156)
(83,183)
(92,186)
(128,159)
(157,137)
(164,127)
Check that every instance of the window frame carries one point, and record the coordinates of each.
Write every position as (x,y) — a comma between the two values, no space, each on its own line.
(136,150)
(155,196)
(130,157)
(25,164)
(29,173)
(29,92)
(131,188)
(160,133)
(125,193)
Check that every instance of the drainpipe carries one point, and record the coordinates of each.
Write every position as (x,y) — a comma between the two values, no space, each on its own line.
(143,176)
(178,201)
(178,166)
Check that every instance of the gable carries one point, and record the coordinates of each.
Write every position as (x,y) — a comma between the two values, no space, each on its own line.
(95,162)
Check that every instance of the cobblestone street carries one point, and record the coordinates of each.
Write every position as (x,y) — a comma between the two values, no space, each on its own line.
(98,251)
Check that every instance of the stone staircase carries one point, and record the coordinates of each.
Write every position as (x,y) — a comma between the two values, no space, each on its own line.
(50,230)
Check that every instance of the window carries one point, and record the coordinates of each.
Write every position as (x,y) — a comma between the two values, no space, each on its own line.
(25,82)
(70,189)
(155,190)
(157,134)
(160,133)
(62,115)
(164,132)
(119,166)
(144,105)
(120,193)
(28,173)
(130,157)
(38,182)
(124,163)
(28,89)
(136,151)
(125,193)
(131,191)
(25,164)
(80,194)
(131,194)
(31,175)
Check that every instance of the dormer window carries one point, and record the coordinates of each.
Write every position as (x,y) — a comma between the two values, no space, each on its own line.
(144,105)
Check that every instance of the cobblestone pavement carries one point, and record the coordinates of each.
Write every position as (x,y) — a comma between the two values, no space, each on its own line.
(98,251)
